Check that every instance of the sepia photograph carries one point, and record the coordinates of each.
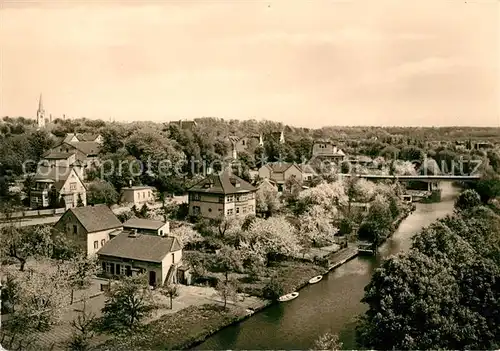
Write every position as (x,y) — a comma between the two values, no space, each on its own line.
(249,175)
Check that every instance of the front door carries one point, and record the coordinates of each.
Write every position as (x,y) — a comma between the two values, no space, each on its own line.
(152,278)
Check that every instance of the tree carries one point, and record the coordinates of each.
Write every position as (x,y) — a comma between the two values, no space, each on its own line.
(267,201)
(79,202)
(81,271)
(128,303)
(144,211)
(274,289)
(273,237)
(227,291)
(171,291)
(40,300)
(83,330)
(187,235)
(444,286)
(23,243)
(328,341)
(101,192)
(53,197)
(467,199)
(228,260)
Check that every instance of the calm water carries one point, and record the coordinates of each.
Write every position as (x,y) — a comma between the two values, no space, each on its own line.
(330,305)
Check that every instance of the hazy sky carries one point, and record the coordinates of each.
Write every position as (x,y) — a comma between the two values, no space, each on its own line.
(305,63)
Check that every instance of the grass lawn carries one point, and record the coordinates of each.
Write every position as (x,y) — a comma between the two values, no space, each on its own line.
(177,331)
(292,274)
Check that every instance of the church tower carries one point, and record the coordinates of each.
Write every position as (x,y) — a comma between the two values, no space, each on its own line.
(40,114)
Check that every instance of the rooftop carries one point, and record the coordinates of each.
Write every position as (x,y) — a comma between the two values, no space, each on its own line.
(140,247)
(140,223)
(137,187)
(96,218)
(223,183)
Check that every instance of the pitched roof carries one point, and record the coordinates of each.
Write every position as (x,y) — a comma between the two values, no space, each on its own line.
(223,183)
(57,155)
(140,223)
(96,218)
(141,247)
(86,137)
(68,137)
(87,147)
(279,167)
(58,175)
(305,168)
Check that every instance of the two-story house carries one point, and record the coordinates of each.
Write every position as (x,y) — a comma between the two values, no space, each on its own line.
(222,195)
(131,253)
(147,226)
(280,172)
(326,150)
(85,151)
(89,226)
(53,183)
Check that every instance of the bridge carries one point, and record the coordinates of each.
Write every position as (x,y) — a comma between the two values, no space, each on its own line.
(431,180)
(424,178)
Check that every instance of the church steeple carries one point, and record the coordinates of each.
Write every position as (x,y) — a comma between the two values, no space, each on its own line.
(40,114)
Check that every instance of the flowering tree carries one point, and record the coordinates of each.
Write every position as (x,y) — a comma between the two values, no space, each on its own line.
(330,196)
(275,235)
(316,225)
(266,201)
(187,235)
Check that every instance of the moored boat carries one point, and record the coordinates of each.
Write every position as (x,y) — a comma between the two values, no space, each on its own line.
(288,297)
(315,279)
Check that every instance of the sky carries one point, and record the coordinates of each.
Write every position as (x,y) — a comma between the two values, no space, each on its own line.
(305,63)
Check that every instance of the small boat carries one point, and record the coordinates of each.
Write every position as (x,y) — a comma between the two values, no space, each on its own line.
(288,297)
(315,279)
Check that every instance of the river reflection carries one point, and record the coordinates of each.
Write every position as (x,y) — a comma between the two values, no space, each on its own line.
(333,304)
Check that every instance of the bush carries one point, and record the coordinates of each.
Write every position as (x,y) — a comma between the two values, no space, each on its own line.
(273,290)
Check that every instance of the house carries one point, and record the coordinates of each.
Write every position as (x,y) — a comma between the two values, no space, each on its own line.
(327,151)
(57,183)
(267,184)
(245,143)
(59,159)
(280,172)
(85,151)
(89,226)
(147,226)
(131,253)
(137,195)
(308,173)
(222,195)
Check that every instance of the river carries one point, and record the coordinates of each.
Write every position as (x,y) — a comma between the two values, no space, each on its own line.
(330,305)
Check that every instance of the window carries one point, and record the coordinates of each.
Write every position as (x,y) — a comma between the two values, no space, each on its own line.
(103,266)
(238,197)
(196,197)
(75,229)
(237,210)
(196,210)
(209,210)
(230,211)
(112,268)
(96,244)
(161,232)
(129,271)
(230,198)
(243,142)
(173,258)
(103,241)
(221,199)
(108,268)
(123,269)
(118,271)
